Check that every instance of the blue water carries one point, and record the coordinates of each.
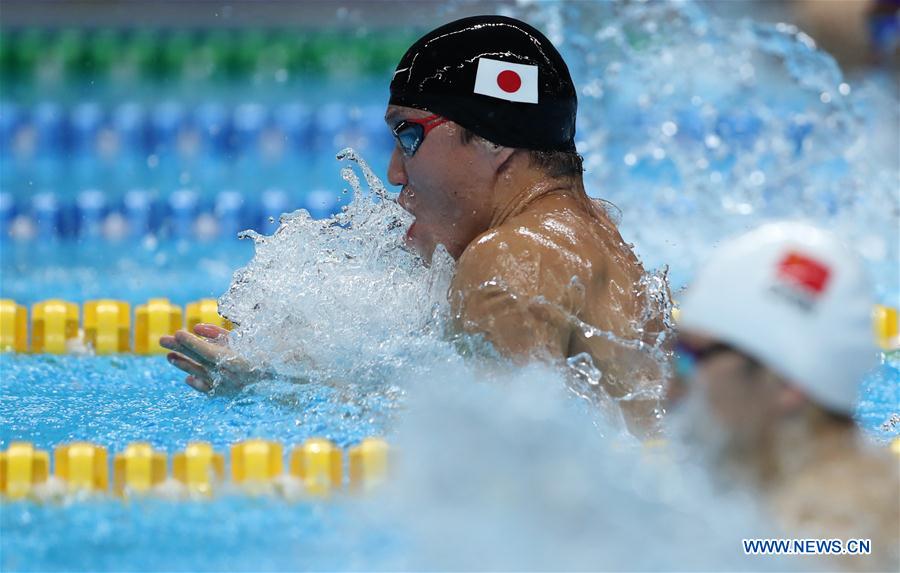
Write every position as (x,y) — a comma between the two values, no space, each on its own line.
(731,163)
(112,401)
(116,400)
(133,271)
(238,534)
(879,400)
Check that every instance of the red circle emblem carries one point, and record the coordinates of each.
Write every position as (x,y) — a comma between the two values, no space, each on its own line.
(509,81)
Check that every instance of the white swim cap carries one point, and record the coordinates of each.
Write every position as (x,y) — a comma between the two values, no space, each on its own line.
(795,298)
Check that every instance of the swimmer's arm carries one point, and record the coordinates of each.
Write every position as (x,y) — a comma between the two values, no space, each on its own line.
(501,290)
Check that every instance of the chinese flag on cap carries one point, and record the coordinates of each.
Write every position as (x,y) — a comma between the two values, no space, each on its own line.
(512,82)
(804,273)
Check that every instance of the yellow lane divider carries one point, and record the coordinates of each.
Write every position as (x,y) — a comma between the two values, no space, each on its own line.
(158,317)
(315,468)
(205,311)
(198,468)
(886,330)
(368,464)
(21,468)
(54,326)
(13,327)
(884,326)
(319,464)
(82,466)
(106,327)
(139,469)
(256,461)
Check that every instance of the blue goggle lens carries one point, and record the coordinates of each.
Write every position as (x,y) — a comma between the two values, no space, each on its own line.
(409,136)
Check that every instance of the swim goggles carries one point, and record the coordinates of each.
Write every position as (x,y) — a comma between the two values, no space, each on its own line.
(688,358)
(410,133)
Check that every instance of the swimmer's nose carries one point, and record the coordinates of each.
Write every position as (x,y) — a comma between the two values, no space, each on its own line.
(396,170)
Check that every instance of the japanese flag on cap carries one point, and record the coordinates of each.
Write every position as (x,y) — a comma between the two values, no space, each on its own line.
(457,71)
(504,80)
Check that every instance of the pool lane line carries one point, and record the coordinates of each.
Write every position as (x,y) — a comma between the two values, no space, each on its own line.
(315,469)
(57,326)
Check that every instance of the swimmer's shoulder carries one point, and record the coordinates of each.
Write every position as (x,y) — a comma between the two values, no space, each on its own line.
(514,288)
(519,256)
(574,225)
(498,254)
(525,239)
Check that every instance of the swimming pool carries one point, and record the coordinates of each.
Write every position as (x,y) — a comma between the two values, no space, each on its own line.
(117,400)
(469,499)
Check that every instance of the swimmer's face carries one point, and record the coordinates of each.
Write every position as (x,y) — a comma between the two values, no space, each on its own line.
(741,395)
(446,185)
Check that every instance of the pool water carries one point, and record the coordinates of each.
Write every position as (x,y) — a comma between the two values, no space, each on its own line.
(130,271)
(113,401)
(498,467)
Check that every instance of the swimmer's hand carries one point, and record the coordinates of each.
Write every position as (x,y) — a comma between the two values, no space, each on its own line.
(207,359)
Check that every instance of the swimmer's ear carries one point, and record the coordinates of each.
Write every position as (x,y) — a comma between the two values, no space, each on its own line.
(499,155)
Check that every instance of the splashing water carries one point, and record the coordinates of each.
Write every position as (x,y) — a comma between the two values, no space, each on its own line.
(338,299)
(700,128)
(511,475)
(343,302)
(694,129)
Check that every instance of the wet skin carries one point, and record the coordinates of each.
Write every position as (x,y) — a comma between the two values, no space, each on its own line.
(516,231)
(536,259)
(735,392)
(814,472)
(204,354)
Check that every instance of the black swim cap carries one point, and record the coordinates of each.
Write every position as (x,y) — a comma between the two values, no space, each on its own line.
(496,76)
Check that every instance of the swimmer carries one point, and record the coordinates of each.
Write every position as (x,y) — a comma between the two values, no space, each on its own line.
(483,113)
(774,337)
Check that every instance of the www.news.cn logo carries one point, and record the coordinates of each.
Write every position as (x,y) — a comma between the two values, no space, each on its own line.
(807,547)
